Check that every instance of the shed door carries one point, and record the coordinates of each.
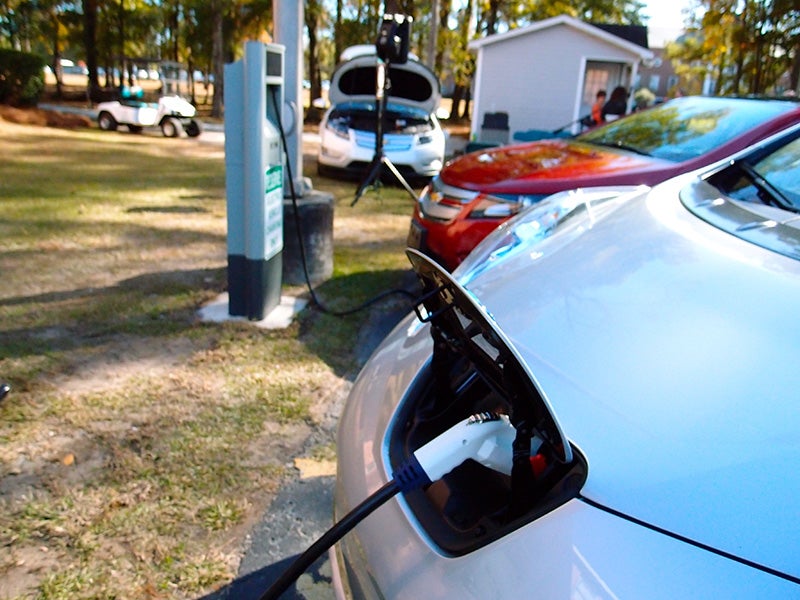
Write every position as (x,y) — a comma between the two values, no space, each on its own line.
(600,76)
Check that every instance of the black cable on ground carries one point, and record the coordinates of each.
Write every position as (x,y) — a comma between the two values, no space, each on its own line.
(311,291)
(333,535)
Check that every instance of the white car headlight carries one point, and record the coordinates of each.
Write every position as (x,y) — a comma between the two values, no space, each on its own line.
(502,207)
(442,202)
(339,127)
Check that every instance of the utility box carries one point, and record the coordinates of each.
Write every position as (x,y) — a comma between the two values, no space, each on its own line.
(254,174)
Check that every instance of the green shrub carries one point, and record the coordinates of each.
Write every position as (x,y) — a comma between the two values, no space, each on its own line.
(21,77)
(643,98)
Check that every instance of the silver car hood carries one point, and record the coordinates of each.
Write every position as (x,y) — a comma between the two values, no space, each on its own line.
(669,349)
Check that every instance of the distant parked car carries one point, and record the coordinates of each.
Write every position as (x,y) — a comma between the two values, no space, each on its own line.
(476,192)
(68,67)
(633,354)
(413,138)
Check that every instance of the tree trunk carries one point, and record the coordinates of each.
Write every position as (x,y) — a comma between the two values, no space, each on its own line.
(190,75)
(493,17)
(174,26)
(794,74)
(337,30)
(90,43)
(311,17)
(720,77)
(217,60)
(458,96)
(57,68)
(430,58)
(444,19)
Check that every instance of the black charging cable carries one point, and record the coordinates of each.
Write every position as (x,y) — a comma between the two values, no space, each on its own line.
(322,307)
(483,437)
(329,538)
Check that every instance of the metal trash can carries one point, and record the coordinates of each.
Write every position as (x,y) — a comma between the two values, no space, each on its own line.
(315,213)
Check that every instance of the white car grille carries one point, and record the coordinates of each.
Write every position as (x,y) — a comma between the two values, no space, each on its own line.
(391,143)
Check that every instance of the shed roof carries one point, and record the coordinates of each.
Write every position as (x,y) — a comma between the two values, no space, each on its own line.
(636,34)
(591,30)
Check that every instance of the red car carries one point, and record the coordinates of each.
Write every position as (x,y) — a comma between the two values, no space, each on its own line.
(476,192)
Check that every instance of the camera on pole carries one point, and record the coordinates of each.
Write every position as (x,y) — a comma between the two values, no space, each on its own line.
(390,47)
(393,38)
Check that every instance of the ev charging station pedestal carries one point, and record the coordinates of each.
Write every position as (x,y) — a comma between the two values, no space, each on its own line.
(254,179)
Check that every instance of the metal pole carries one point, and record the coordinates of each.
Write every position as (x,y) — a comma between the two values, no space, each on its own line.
(289,33)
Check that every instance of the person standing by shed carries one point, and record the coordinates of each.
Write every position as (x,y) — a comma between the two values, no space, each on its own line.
(597,107)
(617,104)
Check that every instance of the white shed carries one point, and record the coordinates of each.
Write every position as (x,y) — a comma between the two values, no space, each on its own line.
(545,76)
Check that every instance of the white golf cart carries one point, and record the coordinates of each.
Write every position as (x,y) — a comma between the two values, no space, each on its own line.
(172,113)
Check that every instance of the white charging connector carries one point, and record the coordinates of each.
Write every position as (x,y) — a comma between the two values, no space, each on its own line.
(486,438)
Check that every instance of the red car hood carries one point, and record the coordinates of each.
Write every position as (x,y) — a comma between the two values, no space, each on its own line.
(527,168)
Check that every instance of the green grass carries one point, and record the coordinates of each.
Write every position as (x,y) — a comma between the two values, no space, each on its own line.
(138,443)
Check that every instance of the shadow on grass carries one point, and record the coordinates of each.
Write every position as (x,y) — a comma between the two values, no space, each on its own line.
(151,283)
(167,209)
(161,304)
(253,585)
(153,304)
(354,314)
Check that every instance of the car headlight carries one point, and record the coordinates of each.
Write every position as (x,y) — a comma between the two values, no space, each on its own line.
(442,202)
(503,206)
(338,127)
(539,222)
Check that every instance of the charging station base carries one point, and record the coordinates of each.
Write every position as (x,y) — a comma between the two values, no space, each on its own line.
(280,317)
(254,286)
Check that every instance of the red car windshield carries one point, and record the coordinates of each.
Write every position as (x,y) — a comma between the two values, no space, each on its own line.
(685,128)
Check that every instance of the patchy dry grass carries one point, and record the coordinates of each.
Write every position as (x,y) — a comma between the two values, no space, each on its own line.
(139,445)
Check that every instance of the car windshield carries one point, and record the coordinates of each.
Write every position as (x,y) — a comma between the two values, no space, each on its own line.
(397,118)
(774,179)
(685,128)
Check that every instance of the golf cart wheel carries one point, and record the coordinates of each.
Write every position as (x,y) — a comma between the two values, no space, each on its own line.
(171,127)
(193,128)
(135,128)
(106,121)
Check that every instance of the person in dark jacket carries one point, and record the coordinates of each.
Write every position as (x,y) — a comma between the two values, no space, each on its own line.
(617,104)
